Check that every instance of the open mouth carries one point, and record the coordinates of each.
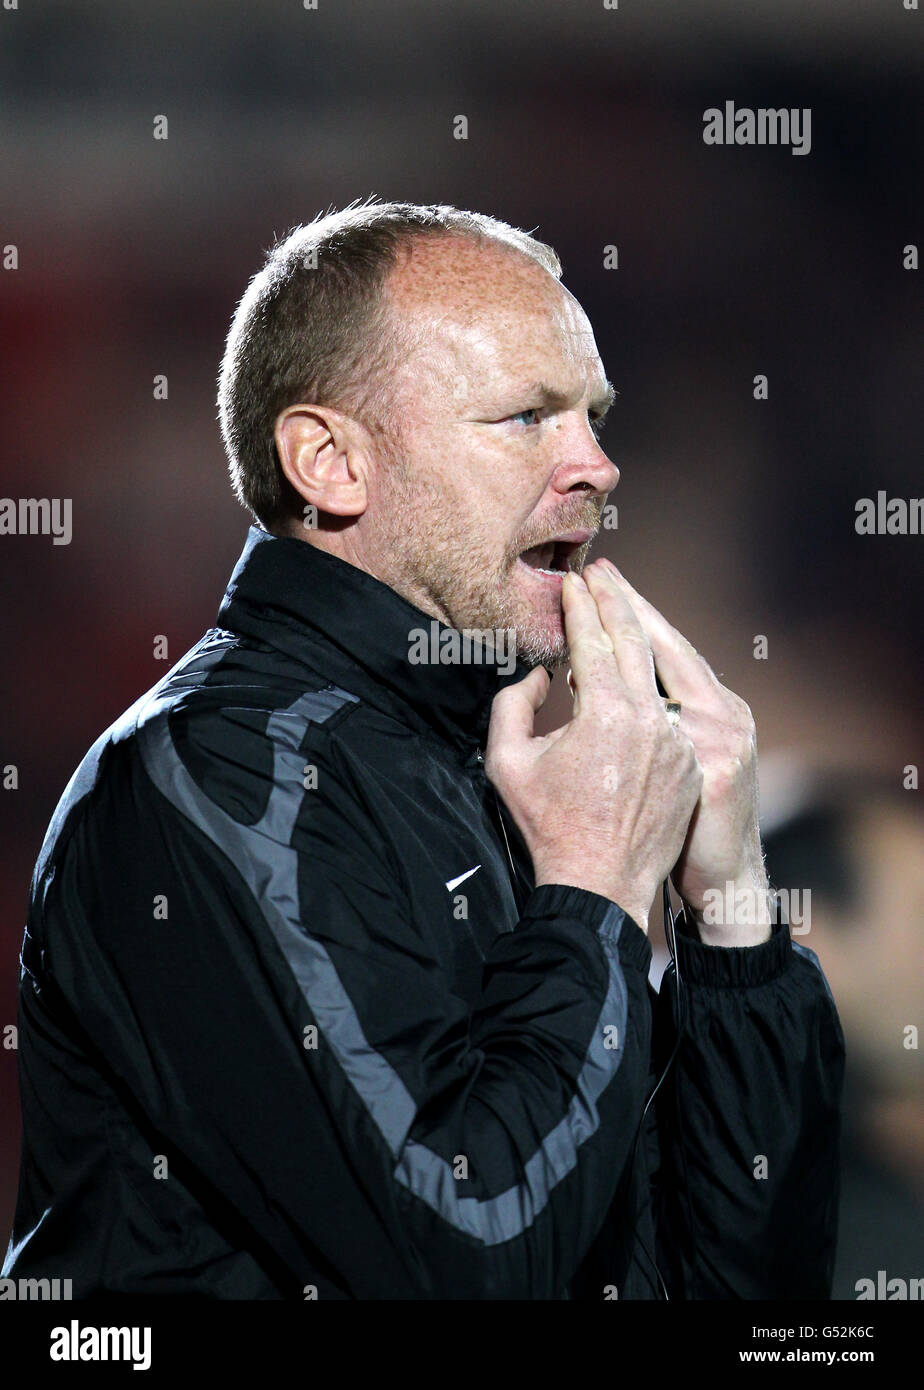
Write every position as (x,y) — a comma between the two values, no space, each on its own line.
(553,557)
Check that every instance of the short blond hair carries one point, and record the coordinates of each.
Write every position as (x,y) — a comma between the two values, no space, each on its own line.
(312,326)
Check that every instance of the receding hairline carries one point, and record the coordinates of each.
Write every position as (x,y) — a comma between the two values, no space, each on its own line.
(447,259)
(441,275)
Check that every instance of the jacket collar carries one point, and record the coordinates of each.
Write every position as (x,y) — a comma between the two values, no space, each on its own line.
(298,598)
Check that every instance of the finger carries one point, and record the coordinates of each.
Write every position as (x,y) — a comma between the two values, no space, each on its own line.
(589,644)
(514,709)
(686,676)
(630,644)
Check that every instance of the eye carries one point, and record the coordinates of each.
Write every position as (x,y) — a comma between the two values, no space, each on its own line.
(521,413)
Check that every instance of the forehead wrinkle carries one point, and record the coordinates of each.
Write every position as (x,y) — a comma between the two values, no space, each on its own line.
(530,349)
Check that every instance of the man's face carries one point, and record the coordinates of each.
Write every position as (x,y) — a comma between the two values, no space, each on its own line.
(498,481)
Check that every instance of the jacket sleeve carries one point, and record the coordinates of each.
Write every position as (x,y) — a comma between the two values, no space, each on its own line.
(748,1123)
(291,1034)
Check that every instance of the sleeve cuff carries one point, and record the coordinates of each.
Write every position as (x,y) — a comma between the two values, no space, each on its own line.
(601,914)
(733,966)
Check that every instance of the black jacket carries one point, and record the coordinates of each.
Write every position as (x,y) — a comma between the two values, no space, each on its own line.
(293,1018)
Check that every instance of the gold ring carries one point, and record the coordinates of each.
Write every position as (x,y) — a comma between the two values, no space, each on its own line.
(672,710)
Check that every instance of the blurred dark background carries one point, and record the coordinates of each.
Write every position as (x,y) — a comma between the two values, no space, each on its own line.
(736,516)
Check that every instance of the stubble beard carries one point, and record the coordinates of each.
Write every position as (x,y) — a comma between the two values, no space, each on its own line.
(457,577)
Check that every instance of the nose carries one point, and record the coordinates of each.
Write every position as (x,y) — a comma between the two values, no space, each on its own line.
(586,467)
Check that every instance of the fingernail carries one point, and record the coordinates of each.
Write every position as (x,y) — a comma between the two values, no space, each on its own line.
(577,578)
(610,566)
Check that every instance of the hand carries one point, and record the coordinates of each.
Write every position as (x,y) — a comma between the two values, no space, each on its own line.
(722,846)
(603,803)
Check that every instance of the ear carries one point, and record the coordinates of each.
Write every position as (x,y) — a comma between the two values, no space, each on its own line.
(324,456)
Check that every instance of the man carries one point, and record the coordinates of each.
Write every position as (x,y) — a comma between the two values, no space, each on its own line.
(335,978)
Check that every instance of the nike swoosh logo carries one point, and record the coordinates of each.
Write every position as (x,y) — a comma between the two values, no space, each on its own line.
(454,882)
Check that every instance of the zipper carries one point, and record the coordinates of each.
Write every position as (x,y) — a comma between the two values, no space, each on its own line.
(515,876)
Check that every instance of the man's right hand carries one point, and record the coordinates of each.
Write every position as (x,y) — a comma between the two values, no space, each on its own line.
(604,802)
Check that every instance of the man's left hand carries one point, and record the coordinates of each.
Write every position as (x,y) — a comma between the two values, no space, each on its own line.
(722,854)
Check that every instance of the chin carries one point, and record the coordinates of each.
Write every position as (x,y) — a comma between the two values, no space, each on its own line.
(542,642)
(536,615)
